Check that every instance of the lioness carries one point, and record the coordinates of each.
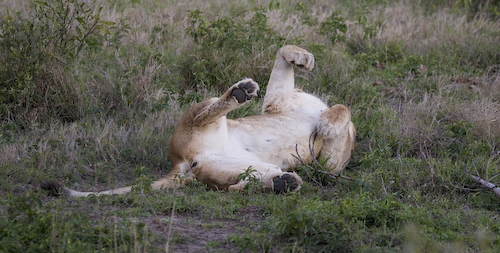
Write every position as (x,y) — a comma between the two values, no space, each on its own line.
(210,148)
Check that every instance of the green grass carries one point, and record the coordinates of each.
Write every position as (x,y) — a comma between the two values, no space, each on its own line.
(94,106)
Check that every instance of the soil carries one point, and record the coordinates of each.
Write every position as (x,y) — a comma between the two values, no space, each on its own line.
(192,233)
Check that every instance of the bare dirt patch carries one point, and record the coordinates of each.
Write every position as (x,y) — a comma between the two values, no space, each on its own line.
(190,232)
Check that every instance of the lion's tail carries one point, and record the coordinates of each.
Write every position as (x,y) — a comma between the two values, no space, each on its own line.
(55,189)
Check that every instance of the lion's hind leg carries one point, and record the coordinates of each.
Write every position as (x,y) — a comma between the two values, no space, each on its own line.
(281,85)
(337,134)
(286,182)
(233,174)
(272,181)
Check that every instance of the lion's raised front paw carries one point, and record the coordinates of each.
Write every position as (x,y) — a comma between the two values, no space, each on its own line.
(245,90)
(298,56)
(285,183)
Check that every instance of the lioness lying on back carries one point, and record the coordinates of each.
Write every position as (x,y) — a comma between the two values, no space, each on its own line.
(214,150)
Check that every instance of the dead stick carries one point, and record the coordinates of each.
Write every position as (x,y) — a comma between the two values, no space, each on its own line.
(486,184)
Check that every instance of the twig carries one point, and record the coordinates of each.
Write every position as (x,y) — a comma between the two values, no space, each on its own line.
(424,156)
(463,188)
(485,183)
(304,164)
(150,206)
(494,176)
(312,138)
(383,185)
(345,177)
(169,235)
(370,144)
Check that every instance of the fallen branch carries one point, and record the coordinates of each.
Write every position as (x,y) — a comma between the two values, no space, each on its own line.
(485,183)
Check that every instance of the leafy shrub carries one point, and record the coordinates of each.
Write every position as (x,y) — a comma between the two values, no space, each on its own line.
(228,49)
(35,51)
(334,27)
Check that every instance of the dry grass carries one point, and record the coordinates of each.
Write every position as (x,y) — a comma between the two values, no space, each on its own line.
(478,113)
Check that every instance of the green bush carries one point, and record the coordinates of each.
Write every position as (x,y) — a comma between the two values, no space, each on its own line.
(36,49)
(229,49)
(334,27)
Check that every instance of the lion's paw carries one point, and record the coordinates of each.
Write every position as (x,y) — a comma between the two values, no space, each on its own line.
(285,183)
(298,56)
(245,90)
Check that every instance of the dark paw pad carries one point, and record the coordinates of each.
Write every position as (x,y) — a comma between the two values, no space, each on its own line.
(242,92)
(284,183)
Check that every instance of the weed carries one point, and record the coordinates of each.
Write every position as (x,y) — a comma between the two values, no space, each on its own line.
(143,182)
(253,185)
(334,27)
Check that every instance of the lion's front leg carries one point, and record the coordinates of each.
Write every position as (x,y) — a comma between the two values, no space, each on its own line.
(237,95)
(272,181)
(243,91)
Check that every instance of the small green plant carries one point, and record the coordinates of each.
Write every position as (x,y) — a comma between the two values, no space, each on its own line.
(142,182)
(307,19)
(334,27)
(254,185)
(21,210)
(363,10)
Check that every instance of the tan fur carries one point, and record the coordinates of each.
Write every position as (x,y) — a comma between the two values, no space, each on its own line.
(209,148)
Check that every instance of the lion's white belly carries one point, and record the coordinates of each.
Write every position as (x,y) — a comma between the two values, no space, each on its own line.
(272,138)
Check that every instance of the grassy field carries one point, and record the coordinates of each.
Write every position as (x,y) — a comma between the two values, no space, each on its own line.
(90,93)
